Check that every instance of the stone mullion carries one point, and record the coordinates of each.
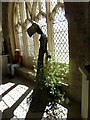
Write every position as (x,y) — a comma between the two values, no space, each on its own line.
(25,41)
(55,9)
(49,29)
(36,36)
(36,44)
(34,6)
(16,25)
(28,8)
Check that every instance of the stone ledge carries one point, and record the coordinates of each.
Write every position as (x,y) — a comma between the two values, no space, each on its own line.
(84,72)
(26,73)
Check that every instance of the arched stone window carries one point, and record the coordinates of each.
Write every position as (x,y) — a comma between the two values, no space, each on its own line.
(51,18)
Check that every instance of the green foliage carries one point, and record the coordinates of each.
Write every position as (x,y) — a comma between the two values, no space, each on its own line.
(55,74)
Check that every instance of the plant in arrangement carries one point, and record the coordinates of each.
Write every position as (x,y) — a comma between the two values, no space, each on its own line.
(55,74)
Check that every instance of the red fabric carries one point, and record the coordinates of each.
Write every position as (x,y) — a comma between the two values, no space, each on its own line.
(18,59)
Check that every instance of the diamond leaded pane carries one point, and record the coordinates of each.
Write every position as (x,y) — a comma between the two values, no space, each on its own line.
(61,46)
(43,6)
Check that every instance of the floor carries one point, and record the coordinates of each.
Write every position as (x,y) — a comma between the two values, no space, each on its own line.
(15,102)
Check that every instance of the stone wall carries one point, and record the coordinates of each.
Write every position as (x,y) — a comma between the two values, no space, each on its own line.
(5,29)
(77,15)
(89,33)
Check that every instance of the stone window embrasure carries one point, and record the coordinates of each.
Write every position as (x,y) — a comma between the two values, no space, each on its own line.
(51,18)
